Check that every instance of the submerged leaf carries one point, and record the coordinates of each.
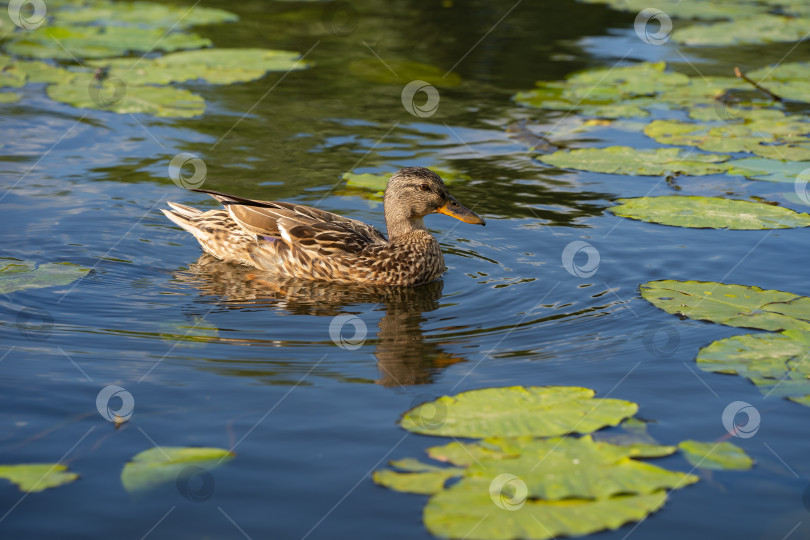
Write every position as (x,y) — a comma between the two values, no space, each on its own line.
(35,477)
(732,305)
(627,160)
(709,213)
(162,464)
(777,363)
(716,455)
(517,410)
(17,275)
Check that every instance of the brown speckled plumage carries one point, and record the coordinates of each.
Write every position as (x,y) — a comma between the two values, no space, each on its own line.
(301,242)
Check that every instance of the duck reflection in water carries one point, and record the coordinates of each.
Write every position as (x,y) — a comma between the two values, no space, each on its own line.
(404,356)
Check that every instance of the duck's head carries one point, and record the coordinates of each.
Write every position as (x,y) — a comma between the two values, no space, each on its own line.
(414,192)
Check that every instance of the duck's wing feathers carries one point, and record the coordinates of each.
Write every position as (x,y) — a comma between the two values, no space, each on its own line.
(303,226)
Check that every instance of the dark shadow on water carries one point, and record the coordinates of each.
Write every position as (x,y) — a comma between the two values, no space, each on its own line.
(404,356)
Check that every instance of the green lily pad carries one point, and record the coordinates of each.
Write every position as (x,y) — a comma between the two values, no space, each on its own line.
(215,66)
(69,42)
(755,30)
(777,363)
(709,213)
(18,275)
(9,97)
(517,410)
(732,305)
(36,477)
(402,72)
(420,478)
(159,465)
(719,456)
(141,14)
(628,160)
(114,95)
(467,510)
(16,73)
(769,170)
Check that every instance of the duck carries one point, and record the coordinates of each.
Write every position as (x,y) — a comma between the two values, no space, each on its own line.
(293,241)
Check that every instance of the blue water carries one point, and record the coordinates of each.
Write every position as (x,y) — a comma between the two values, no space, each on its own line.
(308,420)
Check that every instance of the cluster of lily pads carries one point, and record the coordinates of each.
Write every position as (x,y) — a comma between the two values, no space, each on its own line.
(85,44)
(530,475)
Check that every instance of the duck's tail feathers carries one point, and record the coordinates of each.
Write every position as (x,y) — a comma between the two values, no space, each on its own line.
(183,216)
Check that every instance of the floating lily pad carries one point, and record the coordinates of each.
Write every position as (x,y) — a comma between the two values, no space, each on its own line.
(215,66)
(36,477)
(420,478)
(18,275)
(755,30)
(9,97)
(777,363)
(69,42)
(694,9)
(467,510)
(769,170)
(402,72)
(717,455)
(627,160)
(114,95)
(710,213)
(732,305)
(141,14)
(517,410)
(159,465)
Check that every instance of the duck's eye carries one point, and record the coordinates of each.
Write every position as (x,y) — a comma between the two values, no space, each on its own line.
(424,187)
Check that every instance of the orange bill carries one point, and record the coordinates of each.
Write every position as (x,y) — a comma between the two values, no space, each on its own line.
(455,209)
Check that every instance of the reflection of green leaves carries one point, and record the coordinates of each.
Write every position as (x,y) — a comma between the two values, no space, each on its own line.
(733,305)
(17,275)
(755,30)
(36,477)
(159,465)
(721,456)
(627,160)
(777,363)
(142,14)
(517,410)
(113,95)
(402,72)
(196,334)
(215,66)
(69,42)
(710,213)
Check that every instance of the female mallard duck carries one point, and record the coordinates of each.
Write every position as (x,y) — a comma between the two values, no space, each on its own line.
(300,242)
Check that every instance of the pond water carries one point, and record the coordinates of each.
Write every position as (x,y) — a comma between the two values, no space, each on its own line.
(308,419)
